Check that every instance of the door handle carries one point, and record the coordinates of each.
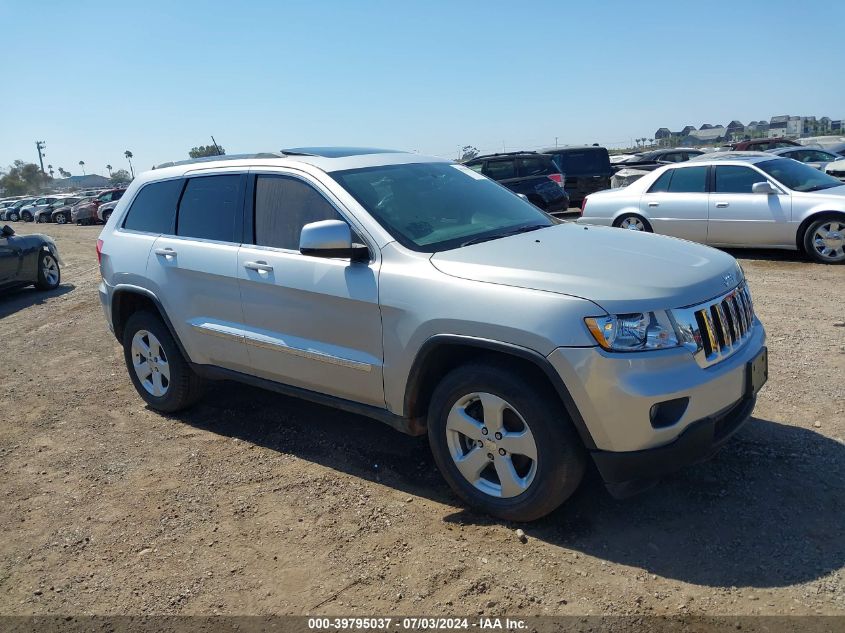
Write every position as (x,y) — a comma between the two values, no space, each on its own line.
(654,204)
(165,252)
(722,205)
(262,267)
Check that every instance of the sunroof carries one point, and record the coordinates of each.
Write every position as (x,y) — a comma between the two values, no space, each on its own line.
(338,152)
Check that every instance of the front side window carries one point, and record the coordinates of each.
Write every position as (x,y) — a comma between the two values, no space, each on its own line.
(210,208)
(283,205)
(688,180)
(499,169)
(736,179)
(432,207)
(154,208)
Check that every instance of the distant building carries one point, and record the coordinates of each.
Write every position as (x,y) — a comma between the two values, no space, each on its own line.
(707,136)
(735,128)
(687,130)
(706,126)
(662,133)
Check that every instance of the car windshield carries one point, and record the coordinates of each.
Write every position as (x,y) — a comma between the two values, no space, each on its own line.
(798,176)
(432,207)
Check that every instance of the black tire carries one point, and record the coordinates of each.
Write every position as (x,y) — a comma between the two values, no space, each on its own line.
(61,218)
(106,216)
(808,239)
(629,216)
(185,388)
(43,283)
(26,217)
(561,457)
(13,217)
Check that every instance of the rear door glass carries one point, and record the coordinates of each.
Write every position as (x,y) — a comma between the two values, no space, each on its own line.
(688,180)
(210,208)
(499,169)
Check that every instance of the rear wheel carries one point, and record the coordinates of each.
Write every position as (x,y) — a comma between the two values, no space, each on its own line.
(633,222)
(61,218)
(26,216)
(824,240)
(161,375)
(49,274)
(13,216)
(106,216)
(504,444)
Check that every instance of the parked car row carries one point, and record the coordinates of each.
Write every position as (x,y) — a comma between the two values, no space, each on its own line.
(86,208)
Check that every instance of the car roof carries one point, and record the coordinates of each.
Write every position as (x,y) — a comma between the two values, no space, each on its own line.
(503,155)
(330,159)
(724,157)
(571,148)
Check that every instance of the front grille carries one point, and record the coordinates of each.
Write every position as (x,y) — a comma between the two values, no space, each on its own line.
(720,327)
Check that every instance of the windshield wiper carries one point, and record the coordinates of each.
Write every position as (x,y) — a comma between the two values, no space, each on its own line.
(522,229)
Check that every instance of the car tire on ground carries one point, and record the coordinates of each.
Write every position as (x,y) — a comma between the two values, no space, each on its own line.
(13,217)
(106,216)
(504,444)
(824,240)
(61,218)
(49,273)
(161,375)
(633,222)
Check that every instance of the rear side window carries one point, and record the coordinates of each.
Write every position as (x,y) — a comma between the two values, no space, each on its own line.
(499,169)
(584,162)
(283,206)
(535,166)
(736,179)
(661,185)
(688,180)
(154,208)
(210,208)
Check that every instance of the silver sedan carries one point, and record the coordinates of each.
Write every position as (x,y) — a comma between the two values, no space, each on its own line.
(725,201)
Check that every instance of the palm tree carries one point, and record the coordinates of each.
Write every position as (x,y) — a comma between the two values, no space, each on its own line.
(50,169)
(128,155)
(82,164)
(109,168)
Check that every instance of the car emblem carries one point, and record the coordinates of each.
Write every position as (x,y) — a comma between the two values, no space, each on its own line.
(728,279)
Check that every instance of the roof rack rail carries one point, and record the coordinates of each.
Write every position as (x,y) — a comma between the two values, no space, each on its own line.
(222,157)
(517,153)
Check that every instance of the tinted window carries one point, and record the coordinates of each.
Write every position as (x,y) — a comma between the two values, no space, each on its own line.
(736,179)
(688,180)
(535,166)
(500,169)
(661,185)
(210,208)
(797,176)
(154,208)
(283,206)
(584,162)
(477,167)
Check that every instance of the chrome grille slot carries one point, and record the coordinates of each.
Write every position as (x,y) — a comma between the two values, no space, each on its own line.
(719,327)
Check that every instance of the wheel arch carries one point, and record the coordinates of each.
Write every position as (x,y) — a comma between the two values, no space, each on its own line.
(443,352)
(126,300)
(806,222)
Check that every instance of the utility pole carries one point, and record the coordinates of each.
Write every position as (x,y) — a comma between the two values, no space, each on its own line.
(40,145)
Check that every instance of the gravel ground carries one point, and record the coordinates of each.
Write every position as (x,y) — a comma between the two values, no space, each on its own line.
(254,503)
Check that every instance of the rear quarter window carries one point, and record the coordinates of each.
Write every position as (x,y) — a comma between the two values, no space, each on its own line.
(535,166)
(154,208)
(500,169)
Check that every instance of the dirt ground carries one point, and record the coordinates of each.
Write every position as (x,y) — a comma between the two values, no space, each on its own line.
(254,503)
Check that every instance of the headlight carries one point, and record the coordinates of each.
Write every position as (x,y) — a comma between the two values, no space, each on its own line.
(634,332)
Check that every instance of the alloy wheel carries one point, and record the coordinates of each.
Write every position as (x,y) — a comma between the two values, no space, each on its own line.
(829,240)
(491,445)
(632,224)
(50,269)
(150,363)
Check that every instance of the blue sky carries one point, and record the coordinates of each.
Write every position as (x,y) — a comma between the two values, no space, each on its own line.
(93,79)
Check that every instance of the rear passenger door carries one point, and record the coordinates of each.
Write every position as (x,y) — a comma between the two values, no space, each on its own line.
(676,204)
(312,322)
(194,269)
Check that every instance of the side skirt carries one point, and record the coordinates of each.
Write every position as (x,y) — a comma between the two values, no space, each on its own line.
(400,423)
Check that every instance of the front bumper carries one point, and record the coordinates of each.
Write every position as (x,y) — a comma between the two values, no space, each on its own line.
(627,472)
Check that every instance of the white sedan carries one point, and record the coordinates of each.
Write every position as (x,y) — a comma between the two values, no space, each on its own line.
(727,201)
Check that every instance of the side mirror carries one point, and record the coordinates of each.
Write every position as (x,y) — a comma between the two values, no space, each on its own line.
(8,231)
(764,187)
(331,238)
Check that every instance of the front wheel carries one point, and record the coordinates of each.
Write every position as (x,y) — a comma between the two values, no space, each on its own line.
(13,217)
(49,274)
(61,219)
(161,375)
(824,240)
(504,444)
(633,222)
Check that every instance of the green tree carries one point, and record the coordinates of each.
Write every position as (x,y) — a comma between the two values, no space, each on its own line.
(468,152)
(23,178)
(129,156)
(63,173)
(109,167)
(120,177)
(206,150)
(82,165)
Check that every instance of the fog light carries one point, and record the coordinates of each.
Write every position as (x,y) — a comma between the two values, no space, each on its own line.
(667,413)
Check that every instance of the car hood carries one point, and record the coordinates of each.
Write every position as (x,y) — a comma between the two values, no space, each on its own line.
(621,271)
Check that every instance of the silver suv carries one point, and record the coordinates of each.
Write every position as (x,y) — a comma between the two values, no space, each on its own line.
(422,294)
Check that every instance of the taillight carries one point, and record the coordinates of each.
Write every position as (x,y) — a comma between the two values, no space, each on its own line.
(99,251)
(558,178)
(583,205)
